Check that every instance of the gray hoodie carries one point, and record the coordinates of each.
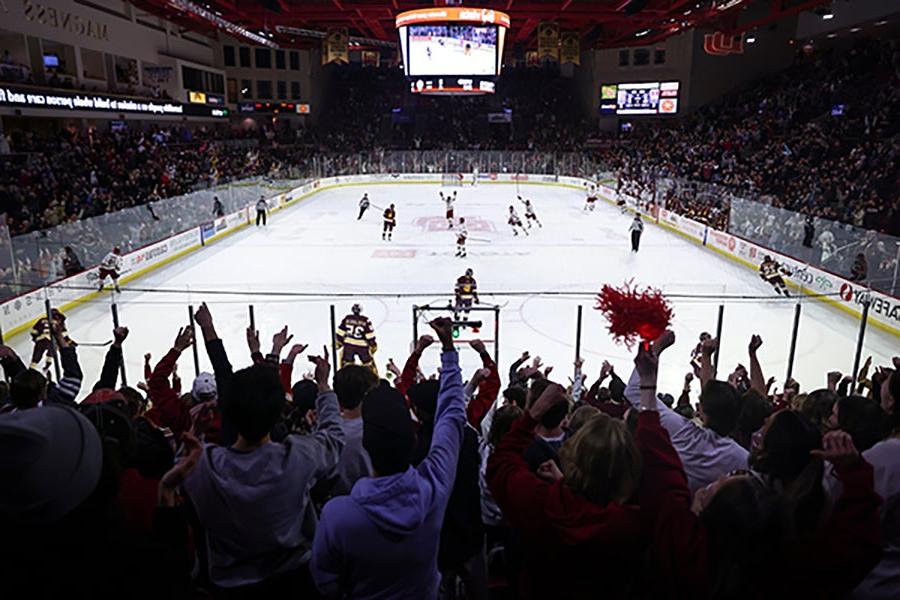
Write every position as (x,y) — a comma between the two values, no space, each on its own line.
(255,505)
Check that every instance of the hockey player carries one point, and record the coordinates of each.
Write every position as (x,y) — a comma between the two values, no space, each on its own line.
(590,201)
(111,267)
(771,272)
(355,338)
(636,229)
(390,220)
(262,208)
(218,208)
(466,294)
(40,335)
(515,222)
(461,234)
(474,176)
(530,215)
(363,205)
(449,201)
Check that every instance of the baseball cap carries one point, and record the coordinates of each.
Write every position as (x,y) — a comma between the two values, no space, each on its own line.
(204,387)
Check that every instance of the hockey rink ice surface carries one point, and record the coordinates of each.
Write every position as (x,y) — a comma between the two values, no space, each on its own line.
(318,247)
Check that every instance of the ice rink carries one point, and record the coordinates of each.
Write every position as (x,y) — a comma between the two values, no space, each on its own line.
(318,248)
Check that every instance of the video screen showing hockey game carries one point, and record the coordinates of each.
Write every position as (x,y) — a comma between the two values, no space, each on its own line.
(451,50)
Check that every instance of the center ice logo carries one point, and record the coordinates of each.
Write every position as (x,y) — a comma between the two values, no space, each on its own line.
(440,224)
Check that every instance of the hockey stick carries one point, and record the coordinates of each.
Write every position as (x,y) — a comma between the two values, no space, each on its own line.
(483,240)
(94,344)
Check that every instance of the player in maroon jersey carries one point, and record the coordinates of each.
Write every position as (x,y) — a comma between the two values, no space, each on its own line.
(390,220)
(355,338)
(40,335)
(466,294)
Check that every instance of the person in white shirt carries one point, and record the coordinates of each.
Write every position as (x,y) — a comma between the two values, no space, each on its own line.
(706,451)
(111,267)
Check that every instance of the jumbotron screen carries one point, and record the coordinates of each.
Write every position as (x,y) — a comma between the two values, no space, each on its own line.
(452,41)
(648,98)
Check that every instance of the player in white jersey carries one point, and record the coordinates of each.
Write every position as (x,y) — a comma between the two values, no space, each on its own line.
(590,202)
(111,267)
(474,176)
(462,233)
(515,222)
(449,201)
(530,215)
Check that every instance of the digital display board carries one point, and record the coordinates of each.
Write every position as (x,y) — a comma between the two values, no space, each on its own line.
(647,98)
(452,42)
(33,97)
(451,50)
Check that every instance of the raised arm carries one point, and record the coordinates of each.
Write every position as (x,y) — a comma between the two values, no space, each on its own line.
(450,416)
(70,383)
(488,386)
(112,364)
(408,375)
(167,410)
(323,447)
(757,380)
(707,349)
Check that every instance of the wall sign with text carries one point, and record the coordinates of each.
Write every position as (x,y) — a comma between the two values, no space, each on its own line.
(50,99)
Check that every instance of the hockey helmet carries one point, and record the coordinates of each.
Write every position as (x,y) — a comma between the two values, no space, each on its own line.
(469,272)
(117,250)
(356,309)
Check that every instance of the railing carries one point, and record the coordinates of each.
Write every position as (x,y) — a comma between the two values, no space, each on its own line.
(868,257)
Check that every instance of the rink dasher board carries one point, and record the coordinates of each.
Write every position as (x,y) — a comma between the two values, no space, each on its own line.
(19,314)
(840,293)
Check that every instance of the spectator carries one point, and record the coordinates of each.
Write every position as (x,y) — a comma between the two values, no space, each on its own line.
(382,539)
(253,498)
(351,384)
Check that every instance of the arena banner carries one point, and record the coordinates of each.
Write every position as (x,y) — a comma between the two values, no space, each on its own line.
(371,58)
(336,46)
(570,47)
(548,41)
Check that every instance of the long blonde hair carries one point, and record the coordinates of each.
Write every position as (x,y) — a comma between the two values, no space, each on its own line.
(601,461)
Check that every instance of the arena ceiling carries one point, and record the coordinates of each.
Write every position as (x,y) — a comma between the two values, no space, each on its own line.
(602,23)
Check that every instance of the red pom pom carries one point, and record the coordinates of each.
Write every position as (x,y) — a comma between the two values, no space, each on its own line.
(634,313)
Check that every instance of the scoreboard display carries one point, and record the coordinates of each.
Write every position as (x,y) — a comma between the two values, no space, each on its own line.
(648,98)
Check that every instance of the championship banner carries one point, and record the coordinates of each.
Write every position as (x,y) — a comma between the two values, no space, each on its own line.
(570,48)
(371,58)
(548,41)
(531,58)
(336,46)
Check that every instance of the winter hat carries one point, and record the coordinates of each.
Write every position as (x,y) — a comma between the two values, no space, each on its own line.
(50,462)
(204,387)
(388,433)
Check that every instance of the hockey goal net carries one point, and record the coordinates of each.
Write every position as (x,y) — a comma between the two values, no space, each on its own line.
(452,179)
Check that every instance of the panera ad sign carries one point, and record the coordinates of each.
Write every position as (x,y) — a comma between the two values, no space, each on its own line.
(60,18)
(101,103)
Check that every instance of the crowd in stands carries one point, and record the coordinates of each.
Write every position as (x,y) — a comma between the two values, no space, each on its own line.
(251,482)
(79,173)
(819,138)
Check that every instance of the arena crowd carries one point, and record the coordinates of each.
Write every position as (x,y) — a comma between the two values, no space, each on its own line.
(251,481)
